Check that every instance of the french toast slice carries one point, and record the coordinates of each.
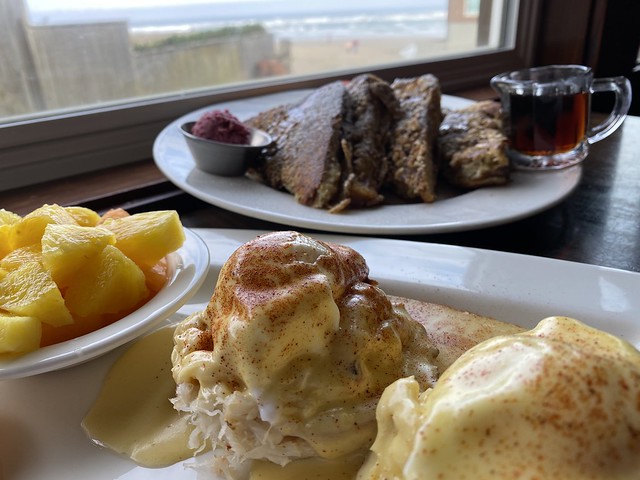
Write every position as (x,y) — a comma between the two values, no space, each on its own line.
(472,146)
(305,157)
(413,171)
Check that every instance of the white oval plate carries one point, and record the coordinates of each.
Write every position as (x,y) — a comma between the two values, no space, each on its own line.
(37,412)
(527,194)
(190,264)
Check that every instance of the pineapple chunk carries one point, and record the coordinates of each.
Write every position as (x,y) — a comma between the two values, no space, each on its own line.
(30,291)
(6,239)
(19,334)
(7,219)
(20,256)
(30,228)
(67,248)
(111,283)
(147,237)
(84,216)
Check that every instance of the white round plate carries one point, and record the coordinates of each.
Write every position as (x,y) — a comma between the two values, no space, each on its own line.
(190,264)
(37,412)
(527,194)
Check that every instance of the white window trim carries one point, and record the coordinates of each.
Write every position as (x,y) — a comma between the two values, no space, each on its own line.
(39,150)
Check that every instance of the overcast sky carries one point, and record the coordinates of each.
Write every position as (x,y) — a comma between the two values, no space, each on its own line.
(36,5)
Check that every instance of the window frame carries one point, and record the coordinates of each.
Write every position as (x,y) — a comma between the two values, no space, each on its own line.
(74,142)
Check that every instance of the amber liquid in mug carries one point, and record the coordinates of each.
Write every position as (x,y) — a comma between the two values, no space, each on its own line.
(548,124)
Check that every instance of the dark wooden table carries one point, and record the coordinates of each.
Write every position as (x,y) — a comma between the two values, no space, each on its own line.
(599,223)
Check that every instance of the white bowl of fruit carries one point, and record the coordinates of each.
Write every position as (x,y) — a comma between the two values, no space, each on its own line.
(75,284)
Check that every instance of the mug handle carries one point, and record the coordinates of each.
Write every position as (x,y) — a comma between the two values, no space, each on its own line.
(621,87)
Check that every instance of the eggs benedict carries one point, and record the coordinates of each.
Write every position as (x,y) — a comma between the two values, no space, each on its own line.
(559,401)
(290,357)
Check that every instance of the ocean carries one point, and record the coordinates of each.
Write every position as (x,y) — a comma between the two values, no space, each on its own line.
(285,19)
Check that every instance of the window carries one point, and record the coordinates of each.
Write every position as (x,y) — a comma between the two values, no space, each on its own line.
(86,88)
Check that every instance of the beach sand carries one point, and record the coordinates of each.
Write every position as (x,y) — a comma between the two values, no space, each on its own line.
(308,57)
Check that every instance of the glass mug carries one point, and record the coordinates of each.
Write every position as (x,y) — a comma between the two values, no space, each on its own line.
(546,113)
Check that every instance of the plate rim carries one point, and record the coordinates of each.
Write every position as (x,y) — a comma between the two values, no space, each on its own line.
(288,212)
(439,285)
(191,267)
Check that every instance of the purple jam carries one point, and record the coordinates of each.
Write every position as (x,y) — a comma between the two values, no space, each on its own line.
(221,126)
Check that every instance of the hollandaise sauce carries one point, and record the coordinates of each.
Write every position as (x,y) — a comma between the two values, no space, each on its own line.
(132,414)
(345,468)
